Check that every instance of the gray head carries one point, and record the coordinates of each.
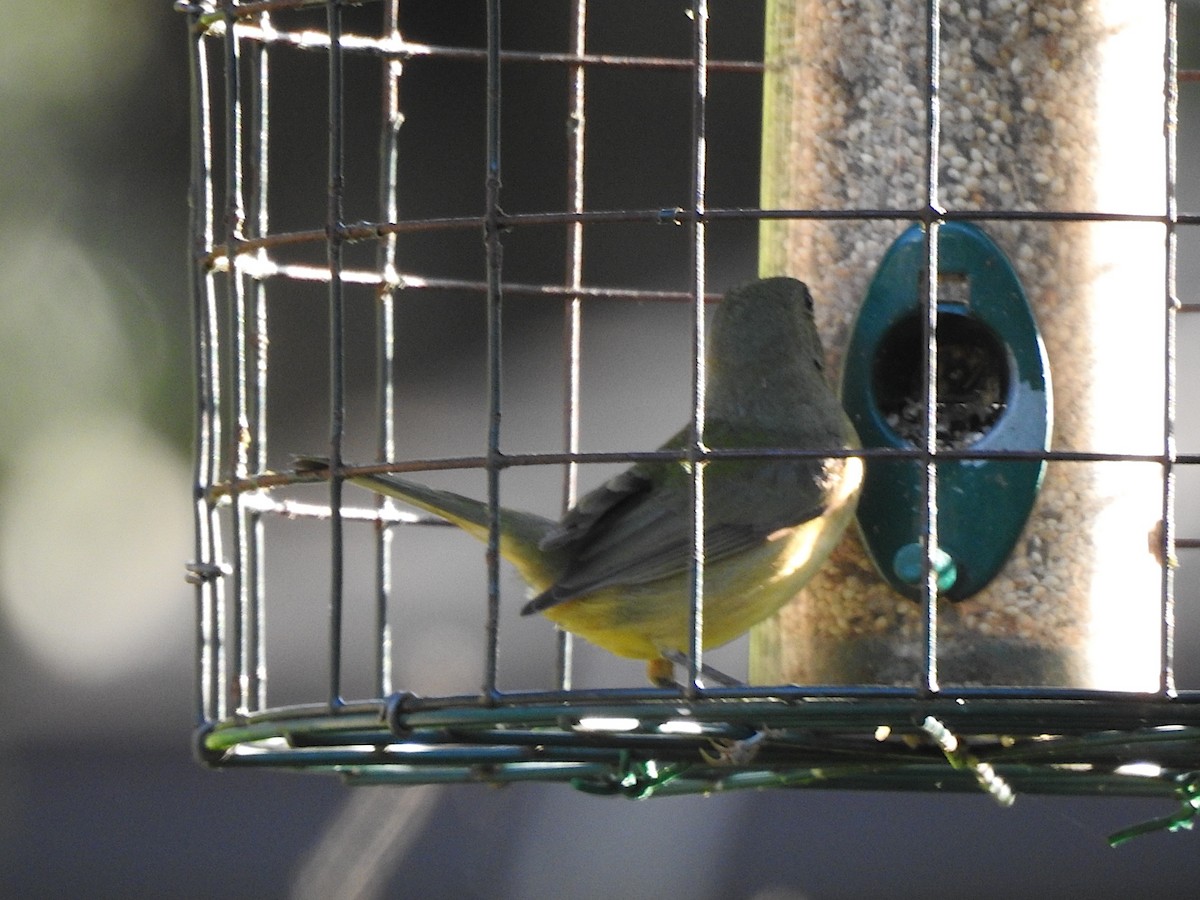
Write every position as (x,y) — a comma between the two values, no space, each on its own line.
(764,353)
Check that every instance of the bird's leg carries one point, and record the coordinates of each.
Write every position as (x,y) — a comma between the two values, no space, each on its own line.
(661,671)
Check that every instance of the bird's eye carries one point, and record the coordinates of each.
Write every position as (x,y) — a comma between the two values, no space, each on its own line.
(808,301)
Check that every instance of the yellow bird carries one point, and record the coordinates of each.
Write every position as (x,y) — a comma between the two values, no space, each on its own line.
(616,568)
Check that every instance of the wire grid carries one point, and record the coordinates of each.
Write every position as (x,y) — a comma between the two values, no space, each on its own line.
(655,741)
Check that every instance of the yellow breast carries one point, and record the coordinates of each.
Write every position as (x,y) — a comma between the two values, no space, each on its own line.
(740,590)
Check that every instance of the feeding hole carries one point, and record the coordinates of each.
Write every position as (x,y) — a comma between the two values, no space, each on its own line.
(972,380)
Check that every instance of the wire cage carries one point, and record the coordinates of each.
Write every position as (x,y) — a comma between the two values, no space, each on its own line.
(314,262)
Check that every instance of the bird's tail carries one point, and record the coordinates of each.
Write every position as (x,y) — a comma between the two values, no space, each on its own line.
(521,533)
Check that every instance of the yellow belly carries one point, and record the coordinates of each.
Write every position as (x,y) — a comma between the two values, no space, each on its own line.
(641,621)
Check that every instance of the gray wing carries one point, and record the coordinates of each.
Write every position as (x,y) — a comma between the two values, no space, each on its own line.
(637,527)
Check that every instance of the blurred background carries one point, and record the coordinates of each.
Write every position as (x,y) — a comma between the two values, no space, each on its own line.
(99,793)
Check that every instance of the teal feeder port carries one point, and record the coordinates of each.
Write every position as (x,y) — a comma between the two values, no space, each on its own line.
(993,394)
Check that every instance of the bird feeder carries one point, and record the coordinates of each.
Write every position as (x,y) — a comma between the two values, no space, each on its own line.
(983,208)
(1040,168)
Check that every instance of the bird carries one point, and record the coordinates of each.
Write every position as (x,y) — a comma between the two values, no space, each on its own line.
(616,569)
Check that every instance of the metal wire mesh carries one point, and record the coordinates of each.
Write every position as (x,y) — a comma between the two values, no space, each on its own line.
(630,741)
